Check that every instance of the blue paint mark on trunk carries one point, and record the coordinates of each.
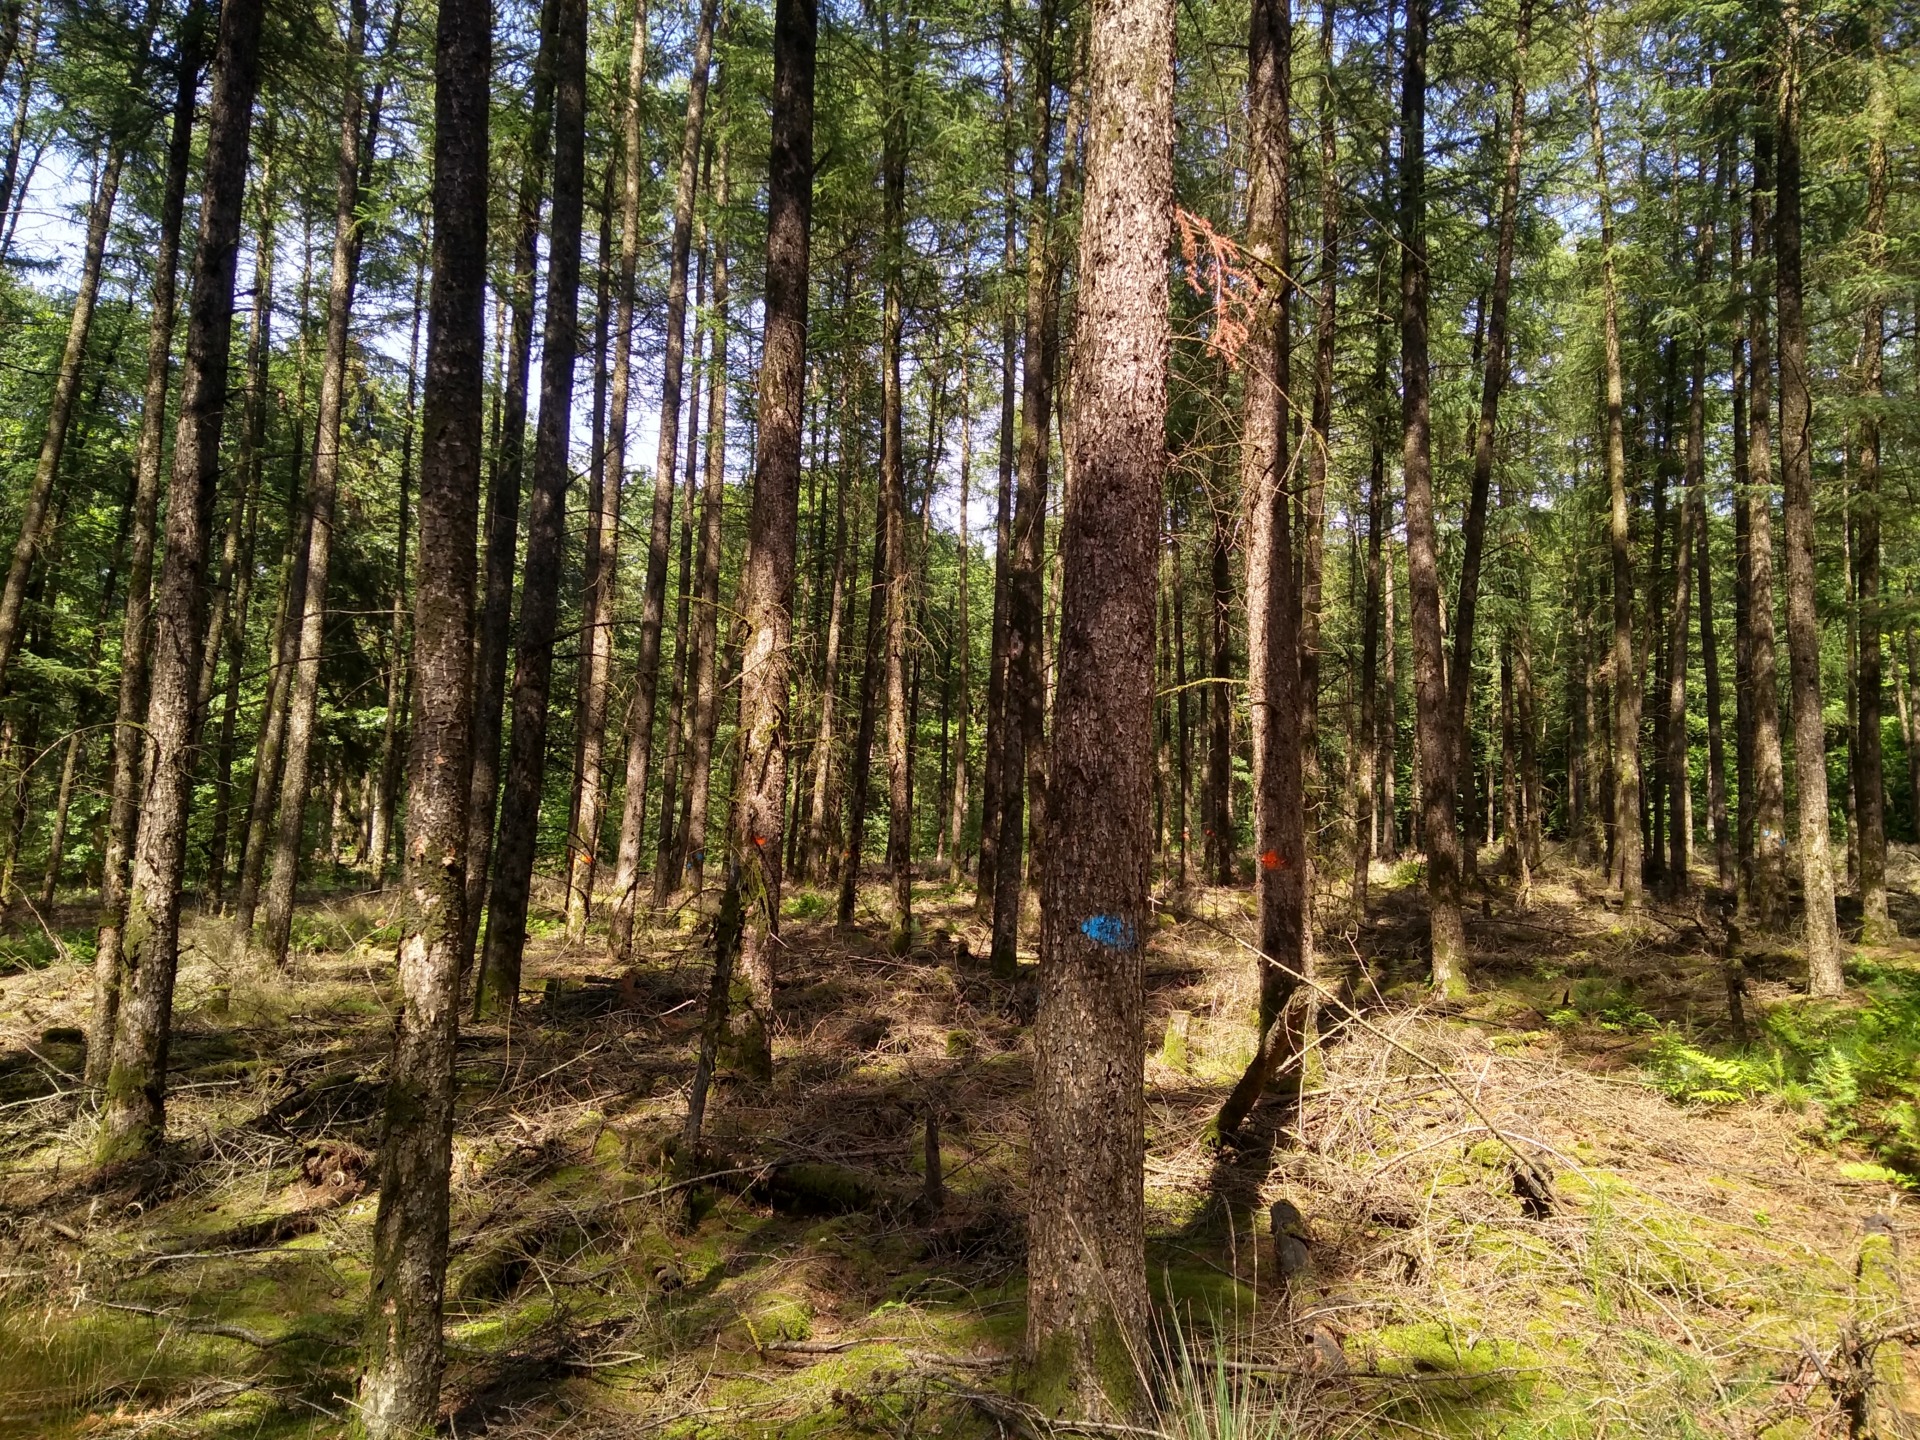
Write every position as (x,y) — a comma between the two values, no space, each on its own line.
(1112,931)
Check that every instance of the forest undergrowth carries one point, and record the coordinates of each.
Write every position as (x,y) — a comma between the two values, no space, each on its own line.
(1720,1250)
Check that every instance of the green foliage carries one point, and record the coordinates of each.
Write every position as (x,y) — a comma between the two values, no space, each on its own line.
(1604,1003)
(1859,1063)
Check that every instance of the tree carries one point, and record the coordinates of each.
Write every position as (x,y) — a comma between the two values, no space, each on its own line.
(1087,1295)
(1824,975)
(400,1382)
(497,986)
(1438,749)
(134,1119)
(766,598)
(646,685)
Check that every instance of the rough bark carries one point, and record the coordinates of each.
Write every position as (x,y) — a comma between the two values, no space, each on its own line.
(1824,975)
(1221,834)
(1087,1298)
(135,1115)
(400,1382)
(766,591)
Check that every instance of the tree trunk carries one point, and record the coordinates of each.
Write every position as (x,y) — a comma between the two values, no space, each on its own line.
(1221,835)
(497,988)
(1679,774)
(1274,596)
(962,642)
(13,191)
(603,557)
(646,683)
(1087,1300)
(399,673)
(1767,884)
(399,1386)
(1438,746)
(666,872)
(1626,848)
(134,1121)
(1824,975)
(1869,769)
(495,633)
(860,766)
(693,833)
(819,841)
(1493,382)
(993,758)
(1365,803)
(893,484)
(135,632)
(322,494)
(66,393)
(766,590)
(1026,697)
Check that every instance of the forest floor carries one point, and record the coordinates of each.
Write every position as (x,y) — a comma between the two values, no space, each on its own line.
(1726,1251)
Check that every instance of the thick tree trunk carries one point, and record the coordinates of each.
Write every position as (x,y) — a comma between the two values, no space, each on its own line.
(400,1383)
(497,988)
(1626,847)
(135,1115)
(1824,976)
(705,713)
(135,631)
(494,639)
(766,591)
(1438,746)
(1767,883)
(1087,1300)
(1870,768)
(646,683)
(322,494)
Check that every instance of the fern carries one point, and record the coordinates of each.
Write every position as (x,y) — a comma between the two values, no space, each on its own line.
(1692,1076)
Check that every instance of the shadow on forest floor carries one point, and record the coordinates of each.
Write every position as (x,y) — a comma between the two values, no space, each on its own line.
(1698,1273)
